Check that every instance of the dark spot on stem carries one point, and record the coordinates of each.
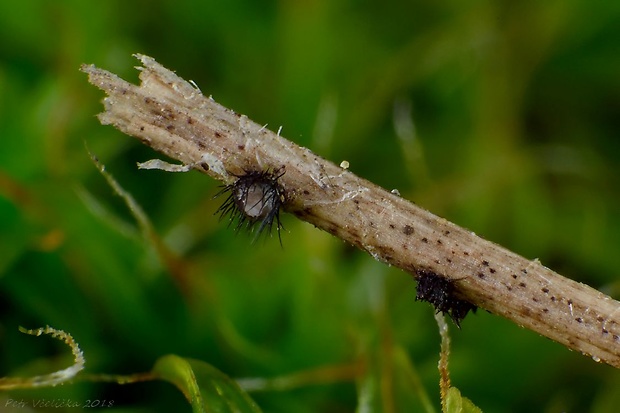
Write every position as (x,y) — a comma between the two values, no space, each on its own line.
(168,114)
(407,230)
(425,240)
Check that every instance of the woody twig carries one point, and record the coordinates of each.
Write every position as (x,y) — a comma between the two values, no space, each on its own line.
(175,118)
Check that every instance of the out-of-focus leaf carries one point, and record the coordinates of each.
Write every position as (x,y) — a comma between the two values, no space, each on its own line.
(455,403)
(204,386)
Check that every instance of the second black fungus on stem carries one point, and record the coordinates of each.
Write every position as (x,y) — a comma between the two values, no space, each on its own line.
(440,292)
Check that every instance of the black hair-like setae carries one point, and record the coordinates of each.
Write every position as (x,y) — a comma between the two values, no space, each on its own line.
(254,201)
(440,292)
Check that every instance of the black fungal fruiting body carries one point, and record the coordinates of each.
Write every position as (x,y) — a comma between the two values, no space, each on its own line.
(440,292)
(255,198)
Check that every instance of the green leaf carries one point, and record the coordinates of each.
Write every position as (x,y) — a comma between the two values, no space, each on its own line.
(205,387)
(455,403)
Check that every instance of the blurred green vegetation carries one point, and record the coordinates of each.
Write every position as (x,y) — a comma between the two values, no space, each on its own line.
(503,117)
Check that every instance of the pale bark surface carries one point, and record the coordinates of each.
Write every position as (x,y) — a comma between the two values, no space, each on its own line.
(175,118)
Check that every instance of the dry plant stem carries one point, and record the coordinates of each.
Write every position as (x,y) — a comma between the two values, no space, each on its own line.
(444,372)
(51,379)
(173,117)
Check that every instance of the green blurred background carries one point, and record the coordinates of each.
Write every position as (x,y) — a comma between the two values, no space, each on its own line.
(503,117)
